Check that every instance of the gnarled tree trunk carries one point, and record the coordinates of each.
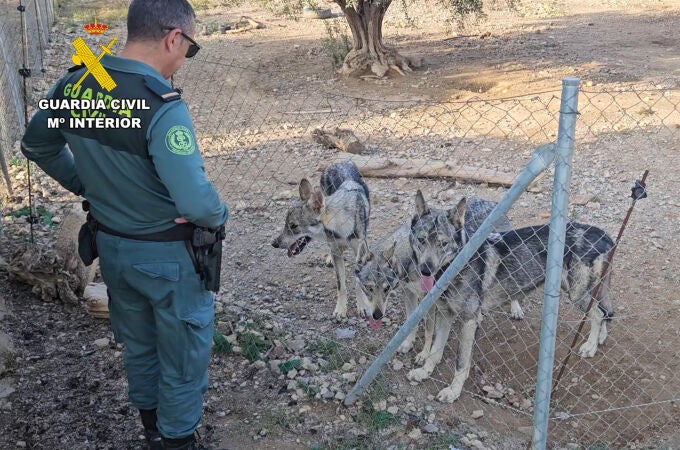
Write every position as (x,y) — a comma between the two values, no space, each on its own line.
(365,18)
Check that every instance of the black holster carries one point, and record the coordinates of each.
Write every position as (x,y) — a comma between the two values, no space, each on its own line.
(87,238)
(206,251)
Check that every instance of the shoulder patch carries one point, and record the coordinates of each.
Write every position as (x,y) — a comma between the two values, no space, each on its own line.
(166,93)
(180,140)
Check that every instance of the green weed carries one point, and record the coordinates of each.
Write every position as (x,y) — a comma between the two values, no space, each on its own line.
(336,45)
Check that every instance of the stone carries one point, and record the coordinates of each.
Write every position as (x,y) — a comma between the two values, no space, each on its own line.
(6,352)
(347,367)
(493,393)
(328,395)
(283,195)
(307,364)
(259,364)
(431,428)
(476,414)
(296,345)
(3,306)
(6,388)
(101,343)
(345,333)
(415,434)
(350,377)
(527,431)
(380,406)
(397,365)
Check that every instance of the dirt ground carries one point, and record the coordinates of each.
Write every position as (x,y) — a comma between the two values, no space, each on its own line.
(484,97)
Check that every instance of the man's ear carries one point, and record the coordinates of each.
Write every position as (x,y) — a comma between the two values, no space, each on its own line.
(171,40)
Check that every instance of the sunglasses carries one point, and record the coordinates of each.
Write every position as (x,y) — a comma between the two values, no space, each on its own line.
(193,48)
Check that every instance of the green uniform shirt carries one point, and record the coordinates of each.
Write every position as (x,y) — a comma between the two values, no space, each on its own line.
(131,189)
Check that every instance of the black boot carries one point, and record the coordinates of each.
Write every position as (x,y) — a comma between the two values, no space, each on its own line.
(185,443)
(153,437)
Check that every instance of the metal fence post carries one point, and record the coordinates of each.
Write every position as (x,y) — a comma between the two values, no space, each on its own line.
(558,223)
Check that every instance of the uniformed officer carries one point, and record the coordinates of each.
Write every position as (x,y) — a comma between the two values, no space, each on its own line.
(147,190)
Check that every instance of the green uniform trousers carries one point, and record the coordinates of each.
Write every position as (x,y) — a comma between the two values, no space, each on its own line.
(162,314)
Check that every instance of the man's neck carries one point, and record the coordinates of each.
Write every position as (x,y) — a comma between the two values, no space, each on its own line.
(142,53)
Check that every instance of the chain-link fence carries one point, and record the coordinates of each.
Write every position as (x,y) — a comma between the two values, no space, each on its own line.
(255,130)
(24,34)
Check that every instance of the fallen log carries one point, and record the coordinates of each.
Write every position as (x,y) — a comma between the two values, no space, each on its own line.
(379,167)
(55,272)
(252,25)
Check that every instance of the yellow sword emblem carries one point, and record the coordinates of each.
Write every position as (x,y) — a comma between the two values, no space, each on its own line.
(84,55)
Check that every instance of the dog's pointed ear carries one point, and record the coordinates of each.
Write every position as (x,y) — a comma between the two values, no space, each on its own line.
(421,206)
(316,201)
(387,254)
(364,259)
(457,214)
(364,255)
(305,189)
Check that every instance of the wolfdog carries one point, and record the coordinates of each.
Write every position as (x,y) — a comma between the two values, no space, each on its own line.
(507,266)
(338,213)
(392,267)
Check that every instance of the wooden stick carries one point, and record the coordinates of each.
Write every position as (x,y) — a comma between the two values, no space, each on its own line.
(378,167)
(316,111)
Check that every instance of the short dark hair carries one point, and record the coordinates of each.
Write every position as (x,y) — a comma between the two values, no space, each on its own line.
(148,20)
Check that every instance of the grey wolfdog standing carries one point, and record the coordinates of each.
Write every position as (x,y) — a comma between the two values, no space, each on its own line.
(392,268)
(338,213)
(507,266)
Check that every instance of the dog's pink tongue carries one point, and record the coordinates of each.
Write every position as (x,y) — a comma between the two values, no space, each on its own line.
(426,283)
(374,324)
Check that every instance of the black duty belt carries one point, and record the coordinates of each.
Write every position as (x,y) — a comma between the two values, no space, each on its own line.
(180,232)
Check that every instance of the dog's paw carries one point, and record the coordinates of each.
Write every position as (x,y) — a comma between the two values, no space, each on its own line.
(421,357)
(418,375)
(405,347)
(448,395)
(340,314)
(588,349)
(516,311)
(328,261)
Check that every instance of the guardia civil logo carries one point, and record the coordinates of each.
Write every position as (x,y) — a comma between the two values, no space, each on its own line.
(179,140)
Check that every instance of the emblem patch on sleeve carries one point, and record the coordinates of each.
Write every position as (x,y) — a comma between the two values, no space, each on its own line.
(180,140)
